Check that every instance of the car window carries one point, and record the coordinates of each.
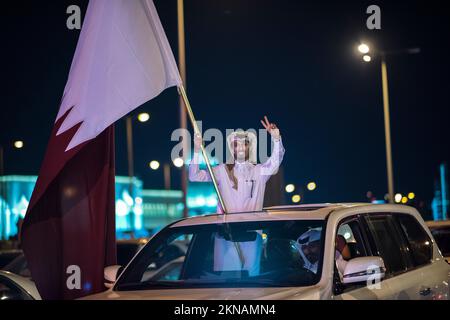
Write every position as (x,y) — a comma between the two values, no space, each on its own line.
(10,291)
(420,245)
(171,273)
(240,254)
(125,252)
(351,233)
(349,244)
(389,245)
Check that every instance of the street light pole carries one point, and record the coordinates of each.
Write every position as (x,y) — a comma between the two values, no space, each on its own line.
(364,49)
(183,115)
(129,130)
(167,176)
(387,129)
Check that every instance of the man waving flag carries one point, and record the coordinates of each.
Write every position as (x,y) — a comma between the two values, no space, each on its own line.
(122,60)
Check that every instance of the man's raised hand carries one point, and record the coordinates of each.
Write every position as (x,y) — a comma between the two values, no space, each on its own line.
(271,128)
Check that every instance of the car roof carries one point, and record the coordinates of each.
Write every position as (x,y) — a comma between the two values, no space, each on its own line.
(136,241)
(292,212)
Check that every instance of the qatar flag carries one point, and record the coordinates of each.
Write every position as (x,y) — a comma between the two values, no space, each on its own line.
(122,60)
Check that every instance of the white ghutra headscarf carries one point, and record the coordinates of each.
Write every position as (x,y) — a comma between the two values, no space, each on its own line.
(244,135)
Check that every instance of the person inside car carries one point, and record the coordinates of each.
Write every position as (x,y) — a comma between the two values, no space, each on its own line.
(308,245)
(342,254)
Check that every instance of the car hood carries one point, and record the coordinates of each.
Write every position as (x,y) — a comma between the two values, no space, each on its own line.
(305,293)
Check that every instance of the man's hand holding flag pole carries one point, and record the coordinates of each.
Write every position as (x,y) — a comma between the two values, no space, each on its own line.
(182,92)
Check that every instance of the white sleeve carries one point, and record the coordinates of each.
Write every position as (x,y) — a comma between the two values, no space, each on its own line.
(270,167)
(195,174)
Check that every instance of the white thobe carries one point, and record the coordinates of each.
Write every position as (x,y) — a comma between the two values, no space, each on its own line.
(340,264)
(249,196)
(251,179)
(226,257)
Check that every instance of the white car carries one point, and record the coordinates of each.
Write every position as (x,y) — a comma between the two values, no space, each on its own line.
(15,287)
(328,251)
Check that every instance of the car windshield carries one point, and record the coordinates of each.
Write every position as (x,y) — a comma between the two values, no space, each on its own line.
(238,254)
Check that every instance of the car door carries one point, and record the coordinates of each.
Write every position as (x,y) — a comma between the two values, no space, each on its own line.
(352,230)
(429,277)
(403,279)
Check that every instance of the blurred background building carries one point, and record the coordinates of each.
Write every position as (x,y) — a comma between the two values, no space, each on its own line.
(441,201)
(137,214)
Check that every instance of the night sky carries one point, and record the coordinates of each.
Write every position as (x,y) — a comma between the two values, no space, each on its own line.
(293,61)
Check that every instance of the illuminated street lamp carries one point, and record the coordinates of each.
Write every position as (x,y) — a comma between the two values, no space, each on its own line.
(398,198)
(178,162)
(311,186)
(364,49)
(290,188)
(18,144)
(411,195)
(367,58)
(296,198)
(154,165)
(404,200)
(143,117)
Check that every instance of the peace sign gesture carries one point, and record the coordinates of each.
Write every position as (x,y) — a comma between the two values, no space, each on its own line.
(271,128)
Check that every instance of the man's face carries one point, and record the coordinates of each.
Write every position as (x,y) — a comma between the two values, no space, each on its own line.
(312,251)
(241,149)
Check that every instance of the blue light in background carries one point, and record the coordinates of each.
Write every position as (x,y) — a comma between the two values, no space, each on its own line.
(87,286)
(141,212)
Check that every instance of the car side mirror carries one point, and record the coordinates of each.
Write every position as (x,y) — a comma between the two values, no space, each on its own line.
(364,269)
(110,274)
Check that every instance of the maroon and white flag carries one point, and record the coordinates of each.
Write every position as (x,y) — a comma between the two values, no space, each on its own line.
(122,60)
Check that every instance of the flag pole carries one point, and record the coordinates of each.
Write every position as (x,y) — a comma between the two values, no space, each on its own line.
(182,92)
(183,116)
